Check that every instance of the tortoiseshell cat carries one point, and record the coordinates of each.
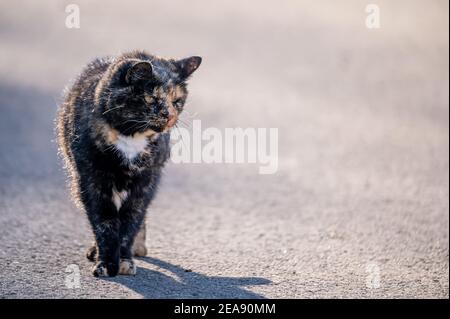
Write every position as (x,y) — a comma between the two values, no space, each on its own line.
(113,131)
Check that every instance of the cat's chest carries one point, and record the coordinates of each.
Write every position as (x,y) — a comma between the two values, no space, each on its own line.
(135,152)
(131,147)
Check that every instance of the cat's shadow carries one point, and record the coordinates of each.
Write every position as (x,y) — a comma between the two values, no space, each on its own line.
(171,281)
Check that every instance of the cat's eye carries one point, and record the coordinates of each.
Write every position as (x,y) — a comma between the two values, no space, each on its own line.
(178,103)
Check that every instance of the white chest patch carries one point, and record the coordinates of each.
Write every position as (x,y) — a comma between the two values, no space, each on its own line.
(131,146)
(118,197)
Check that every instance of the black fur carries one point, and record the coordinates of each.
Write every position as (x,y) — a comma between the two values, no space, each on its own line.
(135,95)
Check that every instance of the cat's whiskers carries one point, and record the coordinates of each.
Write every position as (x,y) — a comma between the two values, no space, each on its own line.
(112,109)
(185,123)
(132,121)
(180,135)
(145,126)
(140,122)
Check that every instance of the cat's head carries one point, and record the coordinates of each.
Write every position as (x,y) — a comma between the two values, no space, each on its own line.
(141,94)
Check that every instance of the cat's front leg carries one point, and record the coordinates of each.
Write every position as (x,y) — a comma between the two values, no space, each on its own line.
(106,224)
(131,220)
(139,248)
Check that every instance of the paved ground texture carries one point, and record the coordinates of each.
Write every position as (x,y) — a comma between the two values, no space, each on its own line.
(359,206)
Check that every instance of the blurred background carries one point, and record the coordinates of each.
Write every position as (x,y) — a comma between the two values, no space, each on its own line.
(358,207)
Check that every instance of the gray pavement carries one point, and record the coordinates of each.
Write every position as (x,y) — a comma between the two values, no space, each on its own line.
(359,207)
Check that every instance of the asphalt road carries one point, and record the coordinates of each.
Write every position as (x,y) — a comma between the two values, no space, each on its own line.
(359,206)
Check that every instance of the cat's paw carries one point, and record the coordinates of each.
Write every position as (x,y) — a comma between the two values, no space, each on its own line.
(139,250)
(103,269)
(127,267)
(91,253)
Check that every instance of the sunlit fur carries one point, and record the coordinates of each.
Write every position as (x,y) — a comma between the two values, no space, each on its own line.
(113,133)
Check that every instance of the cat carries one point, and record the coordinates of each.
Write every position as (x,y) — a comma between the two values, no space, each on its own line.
(113,131)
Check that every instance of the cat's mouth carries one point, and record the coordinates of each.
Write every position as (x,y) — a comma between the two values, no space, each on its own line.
(173,118)
(166,127)
(163,125)
(172,122)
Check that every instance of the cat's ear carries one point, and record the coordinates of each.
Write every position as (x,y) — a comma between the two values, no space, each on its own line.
(139,72)
(187,66)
